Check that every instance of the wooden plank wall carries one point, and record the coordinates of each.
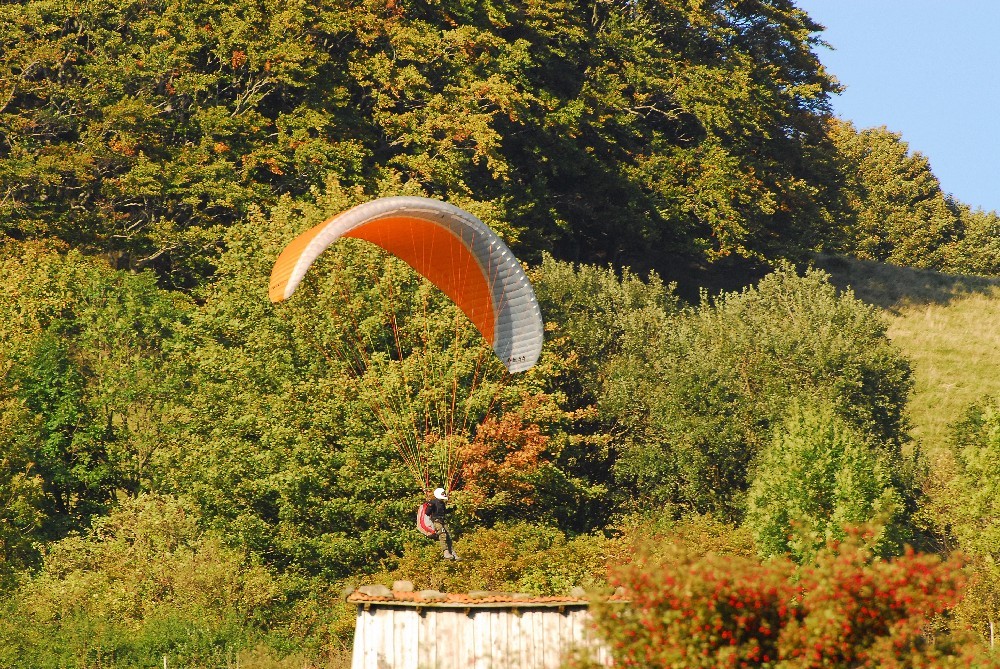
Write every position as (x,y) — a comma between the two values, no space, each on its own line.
(488,638)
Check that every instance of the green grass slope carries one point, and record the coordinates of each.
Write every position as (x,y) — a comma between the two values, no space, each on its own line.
(948,326)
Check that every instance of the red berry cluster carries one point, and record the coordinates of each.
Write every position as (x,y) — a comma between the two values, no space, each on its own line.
(845,610)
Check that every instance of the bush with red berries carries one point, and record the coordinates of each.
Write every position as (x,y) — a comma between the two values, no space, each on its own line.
(844,610)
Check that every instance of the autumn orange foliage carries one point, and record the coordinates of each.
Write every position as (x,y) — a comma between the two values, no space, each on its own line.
(504,454)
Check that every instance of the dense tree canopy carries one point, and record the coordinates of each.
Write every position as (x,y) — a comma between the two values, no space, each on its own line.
(142,129)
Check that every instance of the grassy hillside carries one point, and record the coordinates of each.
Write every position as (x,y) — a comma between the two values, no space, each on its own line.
(949,327)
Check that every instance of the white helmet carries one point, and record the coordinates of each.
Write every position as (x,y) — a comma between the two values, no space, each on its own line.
(439,493)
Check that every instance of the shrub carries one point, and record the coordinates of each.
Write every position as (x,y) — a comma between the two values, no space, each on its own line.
(701,398)
(816,477)
(518,557)
(848,609)
(144,582)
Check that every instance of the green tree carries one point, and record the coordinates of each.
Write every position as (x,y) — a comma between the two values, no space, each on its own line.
(624,132)
(701,397)
(967,509)
(898,213)
(669,125)
(594,316)
(137,129)
(21,496)
(977,249)
(818,478)
(86,349)
(70,451)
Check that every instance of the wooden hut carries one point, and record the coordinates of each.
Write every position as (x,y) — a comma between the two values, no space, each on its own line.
(403,629)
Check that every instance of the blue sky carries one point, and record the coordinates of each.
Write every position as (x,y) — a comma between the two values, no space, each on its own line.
(929,70)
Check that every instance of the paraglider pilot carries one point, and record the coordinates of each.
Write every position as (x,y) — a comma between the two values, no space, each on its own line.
(436,511)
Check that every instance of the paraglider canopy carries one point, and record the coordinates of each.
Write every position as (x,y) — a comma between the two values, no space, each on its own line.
(450,247)
(427,385)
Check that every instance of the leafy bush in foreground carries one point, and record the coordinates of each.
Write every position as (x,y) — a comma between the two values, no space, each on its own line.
(846,610)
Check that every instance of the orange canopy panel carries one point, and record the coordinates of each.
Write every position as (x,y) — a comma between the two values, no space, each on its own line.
(452,249)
